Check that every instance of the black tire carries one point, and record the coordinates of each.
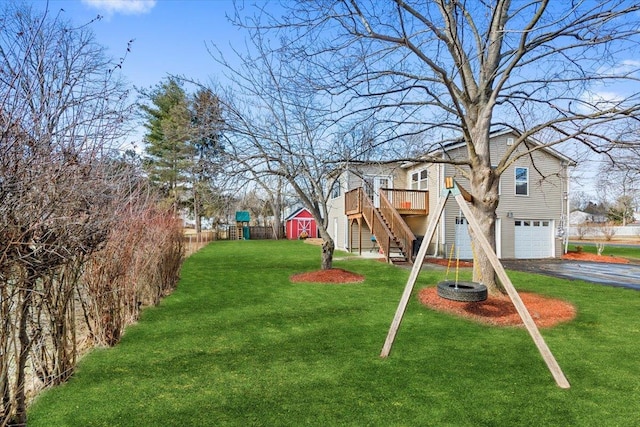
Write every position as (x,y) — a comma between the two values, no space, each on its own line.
(463,291)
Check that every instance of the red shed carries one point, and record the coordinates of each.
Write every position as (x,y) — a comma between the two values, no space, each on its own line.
(301,221)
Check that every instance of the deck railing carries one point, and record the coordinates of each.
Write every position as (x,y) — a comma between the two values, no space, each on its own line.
(353,201)
(410,202)
(404,201)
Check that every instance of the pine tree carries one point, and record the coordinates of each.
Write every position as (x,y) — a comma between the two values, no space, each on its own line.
(183,145)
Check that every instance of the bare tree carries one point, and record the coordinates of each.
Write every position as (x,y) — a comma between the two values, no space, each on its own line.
(63,106)
(619,182)
(452,70)
(275,130)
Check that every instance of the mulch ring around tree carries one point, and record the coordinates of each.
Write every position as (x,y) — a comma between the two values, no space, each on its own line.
(500,311)
(331,276)
(451,263)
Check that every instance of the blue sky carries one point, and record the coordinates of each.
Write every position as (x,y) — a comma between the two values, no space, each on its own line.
(169,36)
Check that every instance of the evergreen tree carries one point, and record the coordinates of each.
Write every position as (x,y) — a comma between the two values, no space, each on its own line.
(182,145)
(168,151)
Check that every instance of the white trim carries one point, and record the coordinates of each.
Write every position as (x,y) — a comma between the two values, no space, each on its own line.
(498,233)
(421,183)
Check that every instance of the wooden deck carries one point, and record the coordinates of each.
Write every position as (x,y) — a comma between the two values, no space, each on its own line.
(406,202)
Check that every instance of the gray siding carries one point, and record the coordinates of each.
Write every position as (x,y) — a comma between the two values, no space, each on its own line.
(547,184)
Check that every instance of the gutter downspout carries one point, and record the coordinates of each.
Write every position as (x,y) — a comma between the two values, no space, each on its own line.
(568,207)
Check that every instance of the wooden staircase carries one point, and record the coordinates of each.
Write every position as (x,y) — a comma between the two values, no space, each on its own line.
(391,232)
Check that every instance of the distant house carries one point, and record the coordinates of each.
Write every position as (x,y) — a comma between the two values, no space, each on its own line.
(301,223)
(388,205)
(579,217)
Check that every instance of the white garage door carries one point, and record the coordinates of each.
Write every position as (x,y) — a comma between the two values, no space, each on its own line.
(463,240)
(462,245)
(533,238)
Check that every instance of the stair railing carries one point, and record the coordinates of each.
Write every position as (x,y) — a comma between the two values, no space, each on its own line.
(398,226)
(376,223)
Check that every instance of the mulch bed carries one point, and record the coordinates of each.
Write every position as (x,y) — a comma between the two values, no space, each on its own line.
(334,275)
(499,310)
(449,263)
(586,256)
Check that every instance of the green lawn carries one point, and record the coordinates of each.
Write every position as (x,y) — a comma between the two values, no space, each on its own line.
(610,249)
(237,345)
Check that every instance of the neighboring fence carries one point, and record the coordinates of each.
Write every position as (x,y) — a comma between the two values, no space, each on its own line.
(194,242)
(230,232)
(604,231)
(263,233)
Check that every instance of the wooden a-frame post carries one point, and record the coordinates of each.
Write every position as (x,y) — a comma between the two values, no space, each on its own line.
(462,197)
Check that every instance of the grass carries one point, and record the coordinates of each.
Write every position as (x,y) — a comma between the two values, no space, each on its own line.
(610,249)
(237,344)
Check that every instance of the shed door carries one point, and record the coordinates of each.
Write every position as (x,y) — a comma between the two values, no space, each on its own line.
(304,225)
(533,238)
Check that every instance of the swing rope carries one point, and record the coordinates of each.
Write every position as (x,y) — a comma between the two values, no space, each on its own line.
(446,276)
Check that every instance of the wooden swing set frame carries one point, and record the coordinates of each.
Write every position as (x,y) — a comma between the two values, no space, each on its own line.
(462,197)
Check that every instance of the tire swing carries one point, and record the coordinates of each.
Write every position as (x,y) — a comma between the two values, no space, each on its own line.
(462,198)
(456,290)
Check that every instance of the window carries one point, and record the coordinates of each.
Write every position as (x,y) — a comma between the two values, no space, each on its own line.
(336,189)
(522,181)
(419,180)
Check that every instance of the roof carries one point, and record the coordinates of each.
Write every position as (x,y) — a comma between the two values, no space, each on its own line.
(242,216)
(297,212)
(460,143)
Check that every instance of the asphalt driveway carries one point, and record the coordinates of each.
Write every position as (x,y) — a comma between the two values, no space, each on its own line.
(620,275)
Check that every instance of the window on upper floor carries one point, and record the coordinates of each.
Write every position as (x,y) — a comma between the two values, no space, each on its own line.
(522,181)
(419,180)
(336,189)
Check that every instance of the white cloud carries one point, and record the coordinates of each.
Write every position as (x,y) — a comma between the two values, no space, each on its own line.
(126,7)
(598,101)
(622,68)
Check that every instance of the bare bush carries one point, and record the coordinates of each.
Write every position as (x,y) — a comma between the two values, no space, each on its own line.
(62,195)
(607,230)
(582,230)
(138,266)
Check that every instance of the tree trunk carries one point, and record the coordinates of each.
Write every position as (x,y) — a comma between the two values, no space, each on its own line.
(196,212)
(328,246)
(5,355)
(25,347)
(276,209)
(484,188)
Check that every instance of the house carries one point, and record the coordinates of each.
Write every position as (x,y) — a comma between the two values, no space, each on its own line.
(301,222)
(579,217)
(388,205)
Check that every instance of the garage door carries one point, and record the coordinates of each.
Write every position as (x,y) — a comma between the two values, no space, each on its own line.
(462,245)
(533,238)
(463,239)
